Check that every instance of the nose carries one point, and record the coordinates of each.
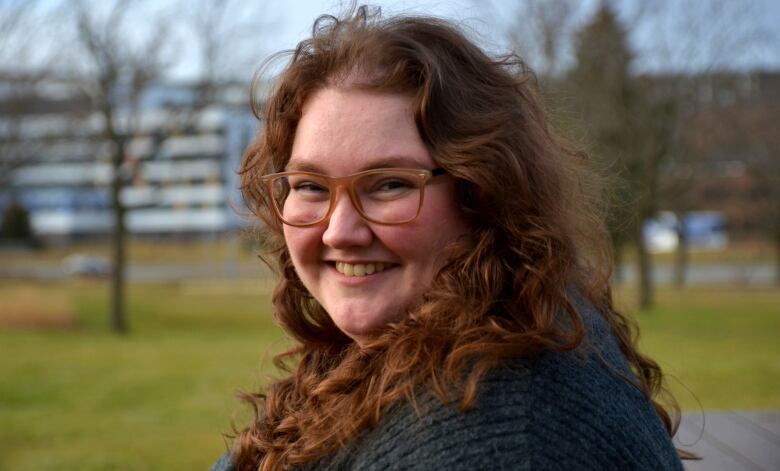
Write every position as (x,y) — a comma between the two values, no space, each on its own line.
(346,227)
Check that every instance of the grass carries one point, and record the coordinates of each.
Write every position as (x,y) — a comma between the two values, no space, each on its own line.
(719,346)
(73,396)
(80,398)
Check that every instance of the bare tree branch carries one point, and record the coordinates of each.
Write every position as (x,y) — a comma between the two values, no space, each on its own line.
(122,68)
(543,30)
(229,36)
(18,22)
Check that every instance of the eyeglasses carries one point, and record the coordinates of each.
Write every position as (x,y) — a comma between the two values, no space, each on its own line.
(383,196)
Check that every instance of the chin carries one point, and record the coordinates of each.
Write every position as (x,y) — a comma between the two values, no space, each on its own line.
(362,327)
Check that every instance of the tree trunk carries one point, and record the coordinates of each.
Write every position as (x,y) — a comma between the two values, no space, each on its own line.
(118,323)
(681,254)
(777,258)
(645,268)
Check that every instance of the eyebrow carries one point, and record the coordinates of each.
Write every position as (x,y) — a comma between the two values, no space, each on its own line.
(394,161)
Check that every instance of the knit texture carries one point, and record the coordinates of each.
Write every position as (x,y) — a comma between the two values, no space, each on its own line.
(559,411)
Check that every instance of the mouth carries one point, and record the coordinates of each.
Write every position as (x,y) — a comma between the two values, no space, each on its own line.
(362,269)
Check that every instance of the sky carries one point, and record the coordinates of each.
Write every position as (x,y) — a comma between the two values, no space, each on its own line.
(291,21)
(741,34)
(752,24)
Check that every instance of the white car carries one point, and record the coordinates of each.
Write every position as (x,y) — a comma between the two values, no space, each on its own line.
(86,265)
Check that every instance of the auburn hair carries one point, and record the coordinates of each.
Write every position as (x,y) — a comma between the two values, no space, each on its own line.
(506,289)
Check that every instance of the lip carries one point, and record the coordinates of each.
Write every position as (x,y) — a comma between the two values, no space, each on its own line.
(353,262)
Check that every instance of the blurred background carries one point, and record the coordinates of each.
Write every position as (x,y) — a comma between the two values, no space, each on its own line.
(132,302)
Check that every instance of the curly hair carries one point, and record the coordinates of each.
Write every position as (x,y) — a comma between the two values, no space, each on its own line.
(506,290)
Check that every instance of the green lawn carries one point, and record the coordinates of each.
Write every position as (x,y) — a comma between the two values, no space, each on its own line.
(75,397)
(720,346)
(82,399)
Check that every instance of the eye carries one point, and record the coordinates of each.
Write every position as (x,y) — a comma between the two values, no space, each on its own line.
(307,189)
(308,186)
(391,187)
(392,184)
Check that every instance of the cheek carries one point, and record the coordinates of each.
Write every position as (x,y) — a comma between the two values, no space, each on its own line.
(421,243)
(442,220)
(302,243)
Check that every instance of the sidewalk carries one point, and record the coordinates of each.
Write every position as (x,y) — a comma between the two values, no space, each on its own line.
(731,440)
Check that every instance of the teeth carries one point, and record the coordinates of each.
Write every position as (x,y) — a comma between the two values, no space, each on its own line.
(360,269)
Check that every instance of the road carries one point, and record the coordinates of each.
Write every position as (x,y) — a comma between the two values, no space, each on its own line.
(148,272)
(714,273)
(761,273)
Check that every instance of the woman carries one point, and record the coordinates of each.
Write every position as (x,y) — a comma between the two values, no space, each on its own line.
(443,269)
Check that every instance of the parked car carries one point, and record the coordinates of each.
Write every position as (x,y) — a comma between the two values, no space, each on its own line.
(86,265)
(704,230)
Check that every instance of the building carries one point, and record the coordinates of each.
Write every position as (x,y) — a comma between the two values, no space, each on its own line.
(180,177)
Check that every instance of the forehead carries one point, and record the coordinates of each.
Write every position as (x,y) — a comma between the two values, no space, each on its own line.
(343,131)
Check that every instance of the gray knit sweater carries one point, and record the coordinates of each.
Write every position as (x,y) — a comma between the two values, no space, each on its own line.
(560,411)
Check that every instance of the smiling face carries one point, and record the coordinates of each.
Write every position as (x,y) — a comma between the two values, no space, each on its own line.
(366,275)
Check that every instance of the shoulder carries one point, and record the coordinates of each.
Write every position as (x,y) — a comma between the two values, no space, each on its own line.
(572,410)
(582,410)
(583,407)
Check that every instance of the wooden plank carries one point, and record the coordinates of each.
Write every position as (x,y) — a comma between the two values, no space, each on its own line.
(740,436)
(768,423)
(732,435)
(692,437)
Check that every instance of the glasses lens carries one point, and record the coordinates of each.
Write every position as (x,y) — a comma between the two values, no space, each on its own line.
(301,198)
(389,197)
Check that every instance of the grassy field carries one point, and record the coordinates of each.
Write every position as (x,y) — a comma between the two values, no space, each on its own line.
(75,397)
(719,346)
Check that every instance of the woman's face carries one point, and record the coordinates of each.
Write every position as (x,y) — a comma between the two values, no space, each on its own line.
(342,132)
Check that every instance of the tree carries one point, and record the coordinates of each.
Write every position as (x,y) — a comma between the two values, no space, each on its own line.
(121,66)
(15,224)
(16,149)
(765,168)
(689,51)
(636,120)
(680,51)
(18,22)
(624,127)
(226,34)
(745,130)
(542,32)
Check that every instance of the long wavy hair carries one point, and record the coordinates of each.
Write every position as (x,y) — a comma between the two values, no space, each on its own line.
(506,289)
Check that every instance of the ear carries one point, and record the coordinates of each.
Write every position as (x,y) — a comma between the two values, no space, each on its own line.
(466,195)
